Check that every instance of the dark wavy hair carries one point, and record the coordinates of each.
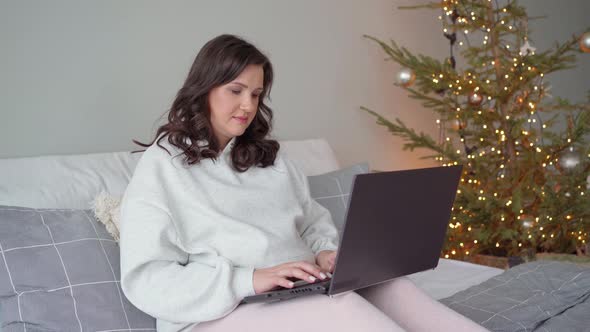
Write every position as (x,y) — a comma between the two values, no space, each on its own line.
(220,61)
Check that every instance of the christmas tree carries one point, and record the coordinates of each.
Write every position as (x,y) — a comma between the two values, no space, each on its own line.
(524,184)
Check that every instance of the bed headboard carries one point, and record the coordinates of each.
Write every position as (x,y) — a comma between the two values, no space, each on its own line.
(73,181)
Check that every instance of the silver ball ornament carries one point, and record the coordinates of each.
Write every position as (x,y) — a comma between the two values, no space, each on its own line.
(570,159)
(527,220)
(475,99)
(405,77)
(585,42)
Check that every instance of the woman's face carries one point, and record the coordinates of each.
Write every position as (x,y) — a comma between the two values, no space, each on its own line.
(234,105)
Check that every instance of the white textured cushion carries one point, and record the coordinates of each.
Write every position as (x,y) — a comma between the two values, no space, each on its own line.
(313,156)
(69,182)
(73,181)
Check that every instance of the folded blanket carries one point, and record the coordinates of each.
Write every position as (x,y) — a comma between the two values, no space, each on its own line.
(536,296)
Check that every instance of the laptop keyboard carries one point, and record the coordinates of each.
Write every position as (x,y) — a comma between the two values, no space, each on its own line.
(299,283)
(300,286)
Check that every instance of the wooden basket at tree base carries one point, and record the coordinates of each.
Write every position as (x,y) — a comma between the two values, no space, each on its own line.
(489,260)
(583,258)
(576,259)
(583,250)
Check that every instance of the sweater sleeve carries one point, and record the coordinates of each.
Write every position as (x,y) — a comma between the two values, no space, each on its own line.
(317,228)
(157,275)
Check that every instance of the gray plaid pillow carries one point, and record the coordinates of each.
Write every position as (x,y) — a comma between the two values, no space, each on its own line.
(332,190)
(59,271)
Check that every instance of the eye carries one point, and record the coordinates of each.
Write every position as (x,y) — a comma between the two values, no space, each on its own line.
(236,92)
(255,96)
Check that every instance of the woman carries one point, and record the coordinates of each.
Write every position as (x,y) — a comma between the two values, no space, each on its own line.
(215,212)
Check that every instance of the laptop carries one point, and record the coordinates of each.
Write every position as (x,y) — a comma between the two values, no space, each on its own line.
(396,224)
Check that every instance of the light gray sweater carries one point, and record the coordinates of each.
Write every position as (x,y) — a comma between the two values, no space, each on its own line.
(191,236)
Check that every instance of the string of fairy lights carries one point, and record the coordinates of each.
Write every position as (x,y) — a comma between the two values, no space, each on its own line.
(493,139)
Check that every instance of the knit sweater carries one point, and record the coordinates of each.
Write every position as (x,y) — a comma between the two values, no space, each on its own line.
(191,236)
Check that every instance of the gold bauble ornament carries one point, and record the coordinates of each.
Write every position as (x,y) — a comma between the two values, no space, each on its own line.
(405,77)
(475,99)
(457,124)
(520,98)
(585,42)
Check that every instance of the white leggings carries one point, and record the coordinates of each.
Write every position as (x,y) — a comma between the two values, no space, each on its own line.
(396,305)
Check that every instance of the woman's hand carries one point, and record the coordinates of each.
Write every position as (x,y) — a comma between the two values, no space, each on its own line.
(269,278)
(326,259)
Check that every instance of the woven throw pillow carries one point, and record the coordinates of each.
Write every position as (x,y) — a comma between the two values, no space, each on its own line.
(107,210)
(59,271)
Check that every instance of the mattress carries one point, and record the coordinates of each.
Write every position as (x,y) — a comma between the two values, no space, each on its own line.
(452,276)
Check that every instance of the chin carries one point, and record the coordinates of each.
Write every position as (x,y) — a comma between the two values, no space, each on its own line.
(238,133)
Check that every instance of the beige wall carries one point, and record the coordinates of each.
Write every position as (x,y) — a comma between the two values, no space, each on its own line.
(88,76)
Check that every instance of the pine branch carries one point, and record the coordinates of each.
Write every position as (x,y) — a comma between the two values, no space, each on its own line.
(430,5)
(431,102)
(412,139)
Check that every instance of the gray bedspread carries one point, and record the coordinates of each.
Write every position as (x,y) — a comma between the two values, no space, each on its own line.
(536,296)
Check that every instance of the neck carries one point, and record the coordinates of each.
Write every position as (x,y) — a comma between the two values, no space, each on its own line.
(223,144)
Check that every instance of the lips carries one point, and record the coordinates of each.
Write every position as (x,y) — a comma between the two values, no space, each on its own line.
(241,119)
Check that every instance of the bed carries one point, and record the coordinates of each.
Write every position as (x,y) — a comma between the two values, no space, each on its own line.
(59,269)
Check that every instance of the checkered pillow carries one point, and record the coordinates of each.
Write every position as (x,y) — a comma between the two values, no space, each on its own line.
(332,190)
(59,271)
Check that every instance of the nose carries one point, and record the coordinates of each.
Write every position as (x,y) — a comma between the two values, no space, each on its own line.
(248,104)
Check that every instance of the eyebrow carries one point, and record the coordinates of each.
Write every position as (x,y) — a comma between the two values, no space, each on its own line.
(244,85)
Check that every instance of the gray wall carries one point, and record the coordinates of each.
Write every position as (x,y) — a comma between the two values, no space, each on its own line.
(563,18)
(88,76)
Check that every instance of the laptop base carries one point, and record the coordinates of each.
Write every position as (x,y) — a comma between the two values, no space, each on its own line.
(289,293)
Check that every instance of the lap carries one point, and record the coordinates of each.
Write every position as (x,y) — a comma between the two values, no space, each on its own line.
(347,312)
(412,309)
(390,306)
